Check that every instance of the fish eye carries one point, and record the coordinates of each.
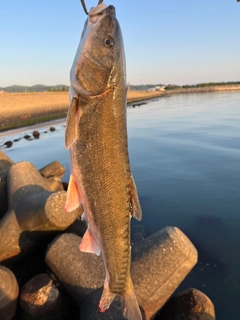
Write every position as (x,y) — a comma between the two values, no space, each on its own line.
(109,42)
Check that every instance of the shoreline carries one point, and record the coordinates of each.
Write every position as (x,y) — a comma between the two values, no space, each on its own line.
(204,89)
(26,109)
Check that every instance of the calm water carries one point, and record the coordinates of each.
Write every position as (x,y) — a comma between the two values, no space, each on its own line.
(185,157)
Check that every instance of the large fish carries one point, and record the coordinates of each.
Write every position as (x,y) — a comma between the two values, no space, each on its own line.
(96,136)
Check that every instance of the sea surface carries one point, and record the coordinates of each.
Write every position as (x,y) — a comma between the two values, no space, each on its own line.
(185,158)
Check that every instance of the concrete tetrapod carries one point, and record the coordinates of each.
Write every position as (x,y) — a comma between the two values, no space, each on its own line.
(34,211)
(54,171)
(191,304)
(159,264)
(41,299)
(8,293)
(5,164)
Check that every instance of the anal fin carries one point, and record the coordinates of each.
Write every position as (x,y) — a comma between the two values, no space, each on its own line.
(73,195)
(89,243)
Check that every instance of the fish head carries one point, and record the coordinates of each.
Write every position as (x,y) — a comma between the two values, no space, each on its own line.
(100,61)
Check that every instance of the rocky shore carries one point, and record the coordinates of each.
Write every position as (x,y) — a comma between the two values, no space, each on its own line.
(43,275)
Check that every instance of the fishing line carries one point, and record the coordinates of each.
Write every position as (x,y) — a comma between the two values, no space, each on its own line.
(84,5)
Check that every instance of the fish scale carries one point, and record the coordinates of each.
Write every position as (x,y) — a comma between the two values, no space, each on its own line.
(96,136)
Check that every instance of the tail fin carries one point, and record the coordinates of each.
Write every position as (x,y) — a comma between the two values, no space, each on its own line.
(131,309)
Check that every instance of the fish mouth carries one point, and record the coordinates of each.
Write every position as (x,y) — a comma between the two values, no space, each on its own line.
(101,9)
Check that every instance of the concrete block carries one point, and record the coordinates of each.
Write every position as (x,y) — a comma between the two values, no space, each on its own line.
(53,170)
(41,299)
(8,293)
(159,264)
(34,211)
(80,273)
(191,304)
(5,164)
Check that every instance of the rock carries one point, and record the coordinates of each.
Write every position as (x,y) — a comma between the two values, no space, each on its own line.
(27,136)
(159,264)
(52,129)
(8,293)
(53,170)
(41,299)
(8,144)
(36,134)
(190,304)
(35,211)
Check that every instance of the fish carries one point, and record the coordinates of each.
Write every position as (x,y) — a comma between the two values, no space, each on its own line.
(96,138)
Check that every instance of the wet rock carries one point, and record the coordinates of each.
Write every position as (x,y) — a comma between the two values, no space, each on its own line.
(52,129)
(8,293)
(41,299)
(159,264)
(53,170)
(27,137)
(36,134)
(8,144)
(35,211)
(190,304)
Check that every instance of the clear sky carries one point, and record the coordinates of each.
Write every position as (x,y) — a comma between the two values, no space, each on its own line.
(177,41)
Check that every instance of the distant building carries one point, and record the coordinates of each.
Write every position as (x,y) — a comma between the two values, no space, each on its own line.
(157,88)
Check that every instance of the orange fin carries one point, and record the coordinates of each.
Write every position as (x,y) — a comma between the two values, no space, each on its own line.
(71,123)
(136,207)
(89,243)
(73,195)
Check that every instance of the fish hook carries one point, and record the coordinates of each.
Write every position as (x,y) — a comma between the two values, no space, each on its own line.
(84,5)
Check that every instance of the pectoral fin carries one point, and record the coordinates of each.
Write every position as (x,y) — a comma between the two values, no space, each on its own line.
(89,243)
(136,207)
(73,195)
(71,123)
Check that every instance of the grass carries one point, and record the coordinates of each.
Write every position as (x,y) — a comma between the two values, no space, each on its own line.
(24,109)
(29,122)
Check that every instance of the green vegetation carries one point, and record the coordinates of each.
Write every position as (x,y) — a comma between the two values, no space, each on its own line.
(35,88)
(201,85)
